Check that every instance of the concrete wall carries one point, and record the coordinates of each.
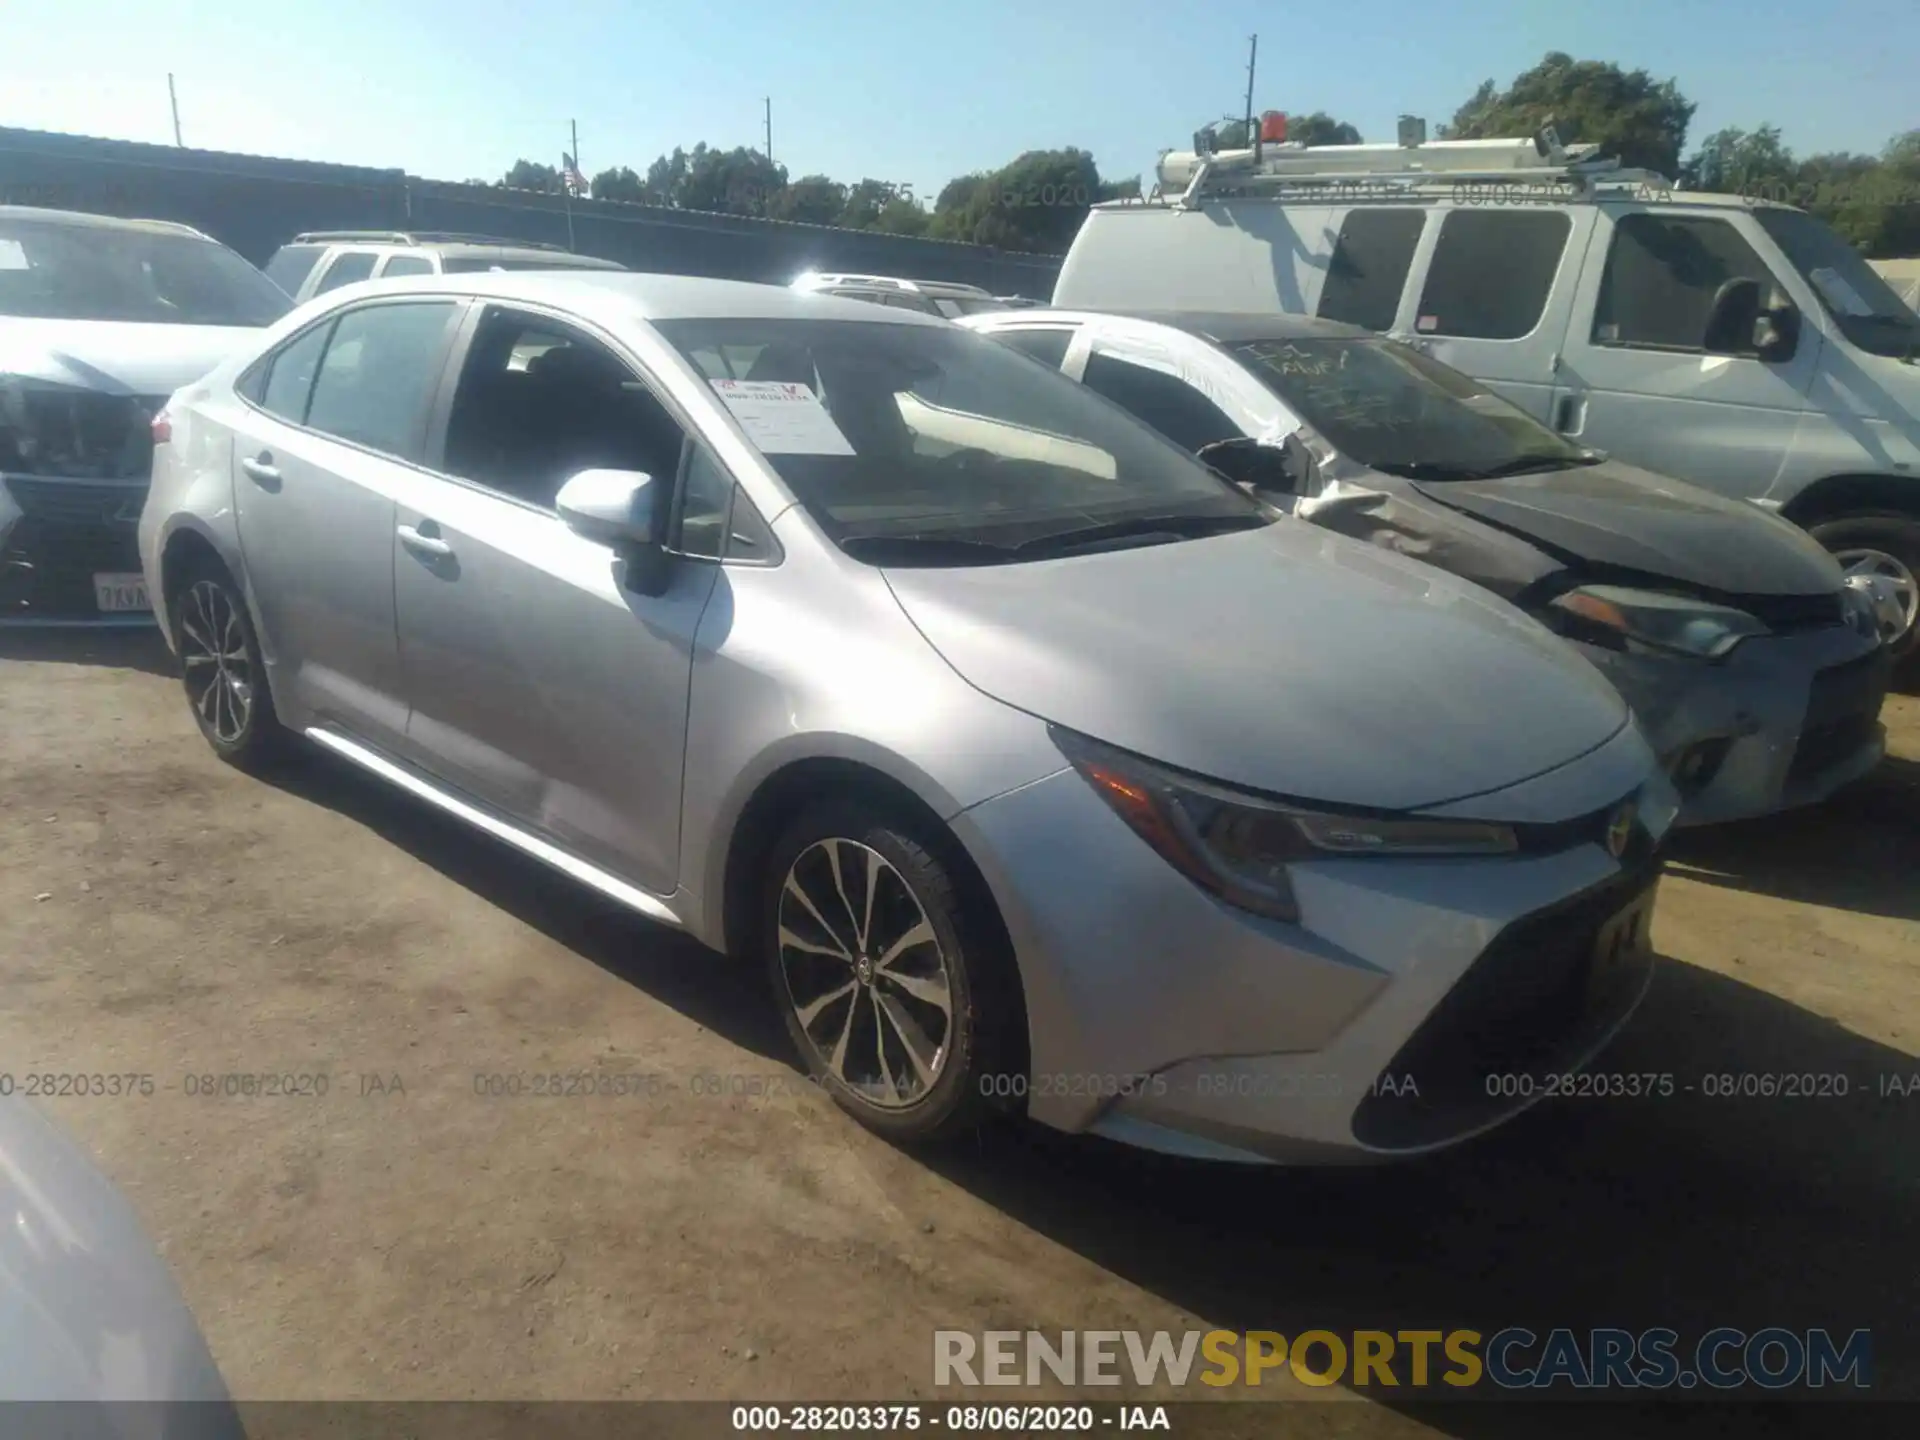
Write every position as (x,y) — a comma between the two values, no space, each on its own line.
(256,203)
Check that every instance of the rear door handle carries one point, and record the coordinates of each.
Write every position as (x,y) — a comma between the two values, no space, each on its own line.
(424,544)
(261,467)
(1570,414)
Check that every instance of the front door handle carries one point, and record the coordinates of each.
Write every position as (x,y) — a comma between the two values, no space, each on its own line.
(421,544)
(261,468)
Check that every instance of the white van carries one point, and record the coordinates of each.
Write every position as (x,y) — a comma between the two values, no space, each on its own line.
(1736,343)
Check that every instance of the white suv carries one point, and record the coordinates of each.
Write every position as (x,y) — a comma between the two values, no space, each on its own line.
(323,260)
(947,299)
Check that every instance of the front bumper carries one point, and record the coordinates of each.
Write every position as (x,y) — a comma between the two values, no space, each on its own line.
(55,536)
(1160,1016)
(1783,721)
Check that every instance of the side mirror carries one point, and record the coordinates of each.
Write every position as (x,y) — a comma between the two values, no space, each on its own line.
(1732,318)
(619,508)
(1776,334)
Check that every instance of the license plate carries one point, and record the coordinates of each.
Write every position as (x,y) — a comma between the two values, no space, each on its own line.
(114,591)
(1621,949)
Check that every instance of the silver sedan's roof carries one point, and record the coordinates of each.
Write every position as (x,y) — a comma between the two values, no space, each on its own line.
(653,297)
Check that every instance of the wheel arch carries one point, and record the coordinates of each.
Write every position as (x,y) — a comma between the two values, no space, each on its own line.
(1859,493)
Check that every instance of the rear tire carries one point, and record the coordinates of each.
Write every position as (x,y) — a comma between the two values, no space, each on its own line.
(892,985)
(1887,545)
(222,673)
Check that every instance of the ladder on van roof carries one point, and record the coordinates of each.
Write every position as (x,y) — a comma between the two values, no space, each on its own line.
(1542,168)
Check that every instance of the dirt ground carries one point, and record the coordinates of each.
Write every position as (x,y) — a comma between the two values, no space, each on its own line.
(407,1237)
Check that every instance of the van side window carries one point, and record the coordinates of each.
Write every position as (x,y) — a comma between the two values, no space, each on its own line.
(1173,407)
(1661,276)
(1491,273)
(1369,266)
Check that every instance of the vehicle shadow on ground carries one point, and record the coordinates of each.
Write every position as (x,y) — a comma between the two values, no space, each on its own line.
(118,649)
(728,998)
(1690,1212)
(1842,854)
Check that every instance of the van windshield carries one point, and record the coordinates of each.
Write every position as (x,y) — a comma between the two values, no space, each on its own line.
(50,270)
(1861,303)
(910,443)
(1397,411)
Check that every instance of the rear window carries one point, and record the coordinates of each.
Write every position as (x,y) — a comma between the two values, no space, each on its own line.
(51,270)
(291,264)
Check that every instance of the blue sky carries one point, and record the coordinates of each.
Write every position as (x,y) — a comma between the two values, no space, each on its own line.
(456,88)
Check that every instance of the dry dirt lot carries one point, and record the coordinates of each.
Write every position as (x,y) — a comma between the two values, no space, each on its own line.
(404,1237)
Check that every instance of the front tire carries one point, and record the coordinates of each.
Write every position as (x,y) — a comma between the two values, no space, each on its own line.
(222,672)
(892,986)
(1887,546)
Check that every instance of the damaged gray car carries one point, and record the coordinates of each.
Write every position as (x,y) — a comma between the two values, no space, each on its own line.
(1756,667)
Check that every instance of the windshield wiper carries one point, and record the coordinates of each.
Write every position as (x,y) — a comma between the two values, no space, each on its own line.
(1140,527)
(1518,465)
(924,550)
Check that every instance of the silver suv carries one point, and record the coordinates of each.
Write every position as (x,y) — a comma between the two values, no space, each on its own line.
(945,298)
(323,260)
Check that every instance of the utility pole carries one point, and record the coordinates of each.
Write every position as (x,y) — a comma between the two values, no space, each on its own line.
(769,104)
(1253,136)
(174,100)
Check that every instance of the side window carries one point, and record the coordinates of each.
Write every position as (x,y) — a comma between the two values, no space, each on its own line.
(347,267)
(288,379)
(406,265)
(1173,407)
(1368,269)
(706,506)
(1048,346)
(1491,273)
(538,402)
(291,264)
(380,369)
(1661,276)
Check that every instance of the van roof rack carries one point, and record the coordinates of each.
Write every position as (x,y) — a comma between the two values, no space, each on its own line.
(1292,170)
(416,237)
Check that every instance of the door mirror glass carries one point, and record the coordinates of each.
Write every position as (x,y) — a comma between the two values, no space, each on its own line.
(614,507)
(1777,332)
(1732,318)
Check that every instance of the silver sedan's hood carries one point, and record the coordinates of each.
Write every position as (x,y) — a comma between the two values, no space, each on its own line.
(1286,660)
(116,357)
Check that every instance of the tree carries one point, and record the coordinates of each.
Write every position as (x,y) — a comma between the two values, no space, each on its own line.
(1035,203)
(620,184)
(865,201)
(901,216)
(1627,113)
(1321,128)
(810,200)
(731,182)
(1741,162)
(530,175)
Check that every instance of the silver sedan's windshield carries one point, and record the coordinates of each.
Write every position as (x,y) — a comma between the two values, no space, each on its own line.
(925,441)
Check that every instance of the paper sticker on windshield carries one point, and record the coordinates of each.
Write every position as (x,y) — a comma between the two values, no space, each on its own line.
(13,255)
(782,418)
(1838,293)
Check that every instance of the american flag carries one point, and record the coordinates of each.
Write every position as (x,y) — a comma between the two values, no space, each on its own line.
(571,177)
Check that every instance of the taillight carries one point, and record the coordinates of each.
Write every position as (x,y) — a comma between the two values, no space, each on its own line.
(162,428)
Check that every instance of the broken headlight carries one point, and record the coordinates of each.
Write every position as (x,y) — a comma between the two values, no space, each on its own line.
(1623,619)
(66,432)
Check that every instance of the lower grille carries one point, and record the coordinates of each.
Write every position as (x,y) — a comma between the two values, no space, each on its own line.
(1843,713)
(1511,1013)
(47,567)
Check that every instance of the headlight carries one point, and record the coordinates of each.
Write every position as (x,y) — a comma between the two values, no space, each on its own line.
(67,431)
(1239,846)
(1673,624)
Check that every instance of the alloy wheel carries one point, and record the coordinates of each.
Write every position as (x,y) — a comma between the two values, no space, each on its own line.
(865,973)
(1894,577)
(217,665)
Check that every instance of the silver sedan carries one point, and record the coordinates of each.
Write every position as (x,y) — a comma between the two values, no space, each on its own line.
(1040,768)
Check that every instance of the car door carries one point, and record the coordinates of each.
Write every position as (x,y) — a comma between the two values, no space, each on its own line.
(1636,378)
(334,415)
(538,683)
(1497,287)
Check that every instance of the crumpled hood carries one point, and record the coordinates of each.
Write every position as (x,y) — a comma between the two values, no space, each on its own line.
(1287,660)
(116,357)
(1620,516)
